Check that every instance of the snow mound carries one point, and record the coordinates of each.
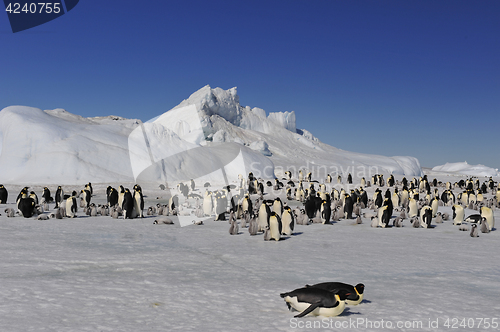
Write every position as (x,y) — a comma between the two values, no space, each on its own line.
(466,169)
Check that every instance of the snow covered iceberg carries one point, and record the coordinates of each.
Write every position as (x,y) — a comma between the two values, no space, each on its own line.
(209,135)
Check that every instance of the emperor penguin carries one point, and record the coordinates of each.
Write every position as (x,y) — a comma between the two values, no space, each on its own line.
(128,205)
(275,226)
(287,221)
(395,198)
(474,231)
(121,194)
(34,197)
(139,202)
(328,178)
(412,208)
(355,292)
(112,197)
(253,226)
(326,212)
(278,206)
(316,301)
(246,205)
(86,197)
(487,213)
(59,196)
(458,214)
(88,187)
(46,195)
(301,176)
(234,228)
(263,217)
(208,205)
(348,207)
(425,216)
(434,206)
(363,182)
(383,216)
(71,207)
(485,228)
(3,194)
(26,205)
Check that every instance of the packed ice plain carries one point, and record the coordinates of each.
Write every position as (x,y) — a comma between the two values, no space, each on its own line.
(103,274)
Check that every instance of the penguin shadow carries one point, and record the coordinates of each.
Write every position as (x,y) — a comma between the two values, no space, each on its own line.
(365,301)
(347,312)
(297,233)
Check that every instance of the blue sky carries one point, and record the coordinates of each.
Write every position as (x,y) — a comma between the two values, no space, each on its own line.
(419,78)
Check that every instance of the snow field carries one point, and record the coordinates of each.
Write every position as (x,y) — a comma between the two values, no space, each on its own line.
(103,274)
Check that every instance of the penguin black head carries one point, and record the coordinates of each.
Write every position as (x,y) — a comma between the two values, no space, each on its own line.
(360,288)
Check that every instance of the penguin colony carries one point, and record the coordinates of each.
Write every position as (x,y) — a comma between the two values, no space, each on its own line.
(296,202)
(250,207)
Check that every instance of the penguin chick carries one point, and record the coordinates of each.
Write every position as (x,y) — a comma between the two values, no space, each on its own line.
(398,222)
(474,231)
(163,221)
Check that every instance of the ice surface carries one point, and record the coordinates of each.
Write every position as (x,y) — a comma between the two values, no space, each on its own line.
(103,274)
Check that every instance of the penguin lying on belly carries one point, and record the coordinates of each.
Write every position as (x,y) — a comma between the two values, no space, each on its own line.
(355,292)
(316,301)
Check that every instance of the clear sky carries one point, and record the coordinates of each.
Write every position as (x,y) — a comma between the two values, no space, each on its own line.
(418,78)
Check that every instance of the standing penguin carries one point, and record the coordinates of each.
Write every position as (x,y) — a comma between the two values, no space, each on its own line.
(412,208)
(88,187)
(434,206)
(426,217)
(86,197)
(71,207)
(208,204)
(263,217)
(138,201)
(59,196)
(275,226)
(46,195)
(128,205)
(487,213)
(383,216)
(26,205)
(458,214)
(485,228)
(121,195)
(326,212)
(278,206)
(348,206)
(3,194)
(287,221)
(234,228)
(112,197)
(474,231)
(253,226)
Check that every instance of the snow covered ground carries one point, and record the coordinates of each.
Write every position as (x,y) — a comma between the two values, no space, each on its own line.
(103,274)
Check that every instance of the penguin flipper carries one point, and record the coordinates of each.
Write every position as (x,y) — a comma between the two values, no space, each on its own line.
(308,310)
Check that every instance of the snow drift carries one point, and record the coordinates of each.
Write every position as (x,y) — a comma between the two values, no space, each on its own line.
(209,135)
(466,169)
